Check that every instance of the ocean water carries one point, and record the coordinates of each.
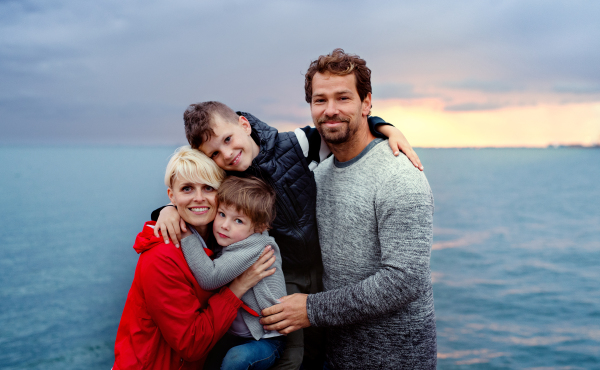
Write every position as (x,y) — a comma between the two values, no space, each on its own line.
(515,259)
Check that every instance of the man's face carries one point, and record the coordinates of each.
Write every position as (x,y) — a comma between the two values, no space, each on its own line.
(336,108)
(231,226)
(231,147)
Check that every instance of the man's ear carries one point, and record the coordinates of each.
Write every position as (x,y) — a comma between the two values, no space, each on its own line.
(366,105)
(243,121)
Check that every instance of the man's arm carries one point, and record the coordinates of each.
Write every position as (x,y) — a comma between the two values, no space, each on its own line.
(405,237)
(405,234)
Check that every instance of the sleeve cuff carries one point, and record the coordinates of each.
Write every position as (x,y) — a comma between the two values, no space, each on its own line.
(229,297)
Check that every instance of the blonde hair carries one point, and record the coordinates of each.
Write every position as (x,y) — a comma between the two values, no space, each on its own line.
(193,165)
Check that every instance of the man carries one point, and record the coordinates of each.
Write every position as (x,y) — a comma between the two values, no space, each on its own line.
(374,214)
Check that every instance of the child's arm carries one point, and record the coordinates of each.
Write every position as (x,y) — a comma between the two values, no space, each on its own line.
(212,274)
(397,140)
(315,150)
(169,223)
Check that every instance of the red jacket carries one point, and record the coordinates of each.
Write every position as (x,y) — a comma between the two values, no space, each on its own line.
(168,321)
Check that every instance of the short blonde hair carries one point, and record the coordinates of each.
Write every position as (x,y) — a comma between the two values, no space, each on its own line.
(193,165)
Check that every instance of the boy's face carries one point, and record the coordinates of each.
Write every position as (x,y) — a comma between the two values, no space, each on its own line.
(231,226)
(231,147)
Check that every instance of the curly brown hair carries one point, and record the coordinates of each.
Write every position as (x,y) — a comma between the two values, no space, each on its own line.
(341,64)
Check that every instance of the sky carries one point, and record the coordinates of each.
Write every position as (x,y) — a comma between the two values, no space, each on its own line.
(448,74)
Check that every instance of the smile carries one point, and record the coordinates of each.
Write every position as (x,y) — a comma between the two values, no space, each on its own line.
(236,160)
(199,209)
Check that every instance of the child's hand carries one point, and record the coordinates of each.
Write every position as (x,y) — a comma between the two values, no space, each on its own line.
(170,224)
(399,143)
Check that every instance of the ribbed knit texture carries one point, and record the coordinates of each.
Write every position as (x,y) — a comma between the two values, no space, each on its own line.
(234,260)
(375,217)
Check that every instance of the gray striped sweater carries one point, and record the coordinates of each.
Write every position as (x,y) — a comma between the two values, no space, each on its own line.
(234,260)
(375,216)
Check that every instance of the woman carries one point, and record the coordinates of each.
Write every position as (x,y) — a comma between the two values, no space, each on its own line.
(168,321)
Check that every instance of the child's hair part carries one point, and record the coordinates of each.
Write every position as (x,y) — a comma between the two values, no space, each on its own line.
(193,165)
(198,119)
(250,196)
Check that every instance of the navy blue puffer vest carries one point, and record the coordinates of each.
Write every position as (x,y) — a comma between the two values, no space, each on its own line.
(281,164)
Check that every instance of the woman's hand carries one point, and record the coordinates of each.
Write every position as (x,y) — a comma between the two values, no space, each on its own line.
(170,224)
(398,142)
(255,273)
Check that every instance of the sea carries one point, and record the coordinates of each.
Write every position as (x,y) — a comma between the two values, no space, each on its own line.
(515,259)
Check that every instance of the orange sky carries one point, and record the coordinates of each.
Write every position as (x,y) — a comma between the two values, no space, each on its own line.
(426,124)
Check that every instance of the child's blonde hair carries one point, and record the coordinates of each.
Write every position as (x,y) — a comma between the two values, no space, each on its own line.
(193,165)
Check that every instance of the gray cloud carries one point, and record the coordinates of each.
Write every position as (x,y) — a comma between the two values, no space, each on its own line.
(107,71)
(468,107)
(397,91)
(577,88)
(484,86)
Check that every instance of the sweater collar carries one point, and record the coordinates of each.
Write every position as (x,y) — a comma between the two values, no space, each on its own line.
(371,145)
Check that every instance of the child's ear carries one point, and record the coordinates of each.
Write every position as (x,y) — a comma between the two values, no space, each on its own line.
(243,121)
(260,229)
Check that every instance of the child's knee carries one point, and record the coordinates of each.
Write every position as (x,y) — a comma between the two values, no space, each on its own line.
(237,358)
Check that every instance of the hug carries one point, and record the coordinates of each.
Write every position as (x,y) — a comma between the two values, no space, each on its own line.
(313,252)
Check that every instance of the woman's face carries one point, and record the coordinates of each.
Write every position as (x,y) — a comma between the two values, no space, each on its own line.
(196,202)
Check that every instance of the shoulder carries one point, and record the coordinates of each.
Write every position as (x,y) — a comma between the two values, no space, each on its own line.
(163,256)
(395,173)
(324,167)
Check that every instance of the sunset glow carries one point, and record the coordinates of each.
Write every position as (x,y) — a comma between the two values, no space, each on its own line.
(426,124)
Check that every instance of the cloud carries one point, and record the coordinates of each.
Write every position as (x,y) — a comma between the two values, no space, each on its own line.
(467,107)
(394,91)
(577,88)
(484,86)
(114,61)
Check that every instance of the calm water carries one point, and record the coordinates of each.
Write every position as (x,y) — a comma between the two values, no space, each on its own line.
(516,253)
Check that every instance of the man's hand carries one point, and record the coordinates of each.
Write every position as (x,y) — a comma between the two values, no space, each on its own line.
(287,316)
(170,224)
(399,143)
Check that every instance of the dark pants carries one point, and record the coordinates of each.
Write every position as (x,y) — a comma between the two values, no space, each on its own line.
(304,347)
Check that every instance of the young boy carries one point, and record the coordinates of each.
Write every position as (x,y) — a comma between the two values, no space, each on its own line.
(245,211)
(241,144)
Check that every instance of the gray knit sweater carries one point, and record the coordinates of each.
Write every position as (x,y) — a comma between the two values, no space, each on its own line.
(375,217)
(234,260)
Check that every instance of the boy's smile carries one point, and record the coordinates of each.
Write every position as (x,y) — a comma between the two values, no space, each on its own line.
(231,146)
